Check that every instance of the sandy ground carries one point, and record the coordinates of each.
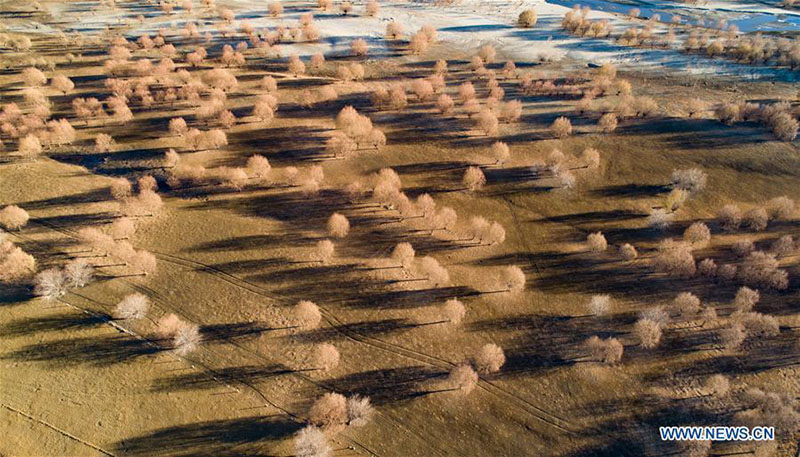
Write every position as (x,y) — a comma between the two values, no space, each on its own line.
(233,262)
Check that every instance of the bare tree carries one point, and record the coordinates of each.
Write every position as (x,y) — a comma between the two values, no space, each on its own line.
(489,359)
(690,180)
(756,219)
(453,311)
(311,442)
(761,269)
(697,234)
(730,217)
(403,253)
(132,306)
(648,332)
(307,314)
(718,385)
(186,338)
(596,242)
(607,351)
(599,304)
(78,273)
(474,179)
(359,411)
(62,84)
(686,303)
(359,47)
(15,264)
(326,357)
(675,259)
(325,250)
(628,252)
(780,207)
(12,217)
(561,127)
(513,279)
(527,18)
(329,411)
(463,379)
(50,284)
(746,298)
(732,336)
(338,225)
(607,122)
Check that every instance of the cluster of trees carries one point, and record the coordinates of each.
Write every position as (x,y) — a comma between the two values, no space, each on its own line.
(779,118)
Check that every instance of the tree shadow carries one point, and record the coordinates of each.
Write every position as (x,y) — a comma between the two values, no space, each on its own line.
(221,438)
(101,351)
(207,380)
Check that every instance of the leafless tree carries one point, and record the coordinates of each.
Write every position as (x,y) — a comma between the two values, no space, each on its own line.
(78,273)
(329,411)
(561,127)
(717,385)
(489,359)
(338,225)
(453,311)
(780,207)
(307,314)
(462,379)
(403,253)
(50,284)
(359,47)
(648,332)
(686,303)
(599,304)
(690,180)
(132,306)
(311,442)
(756,219)
(359,411)
(474,179)
(628,252)
(761,269)
(697,234)
(675,259)
(607,351)
(326,357)
(527,18)
(12,217)
(730,217)
(746,298)
(186,338)
(15,264)
(607,122)
(596,242)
